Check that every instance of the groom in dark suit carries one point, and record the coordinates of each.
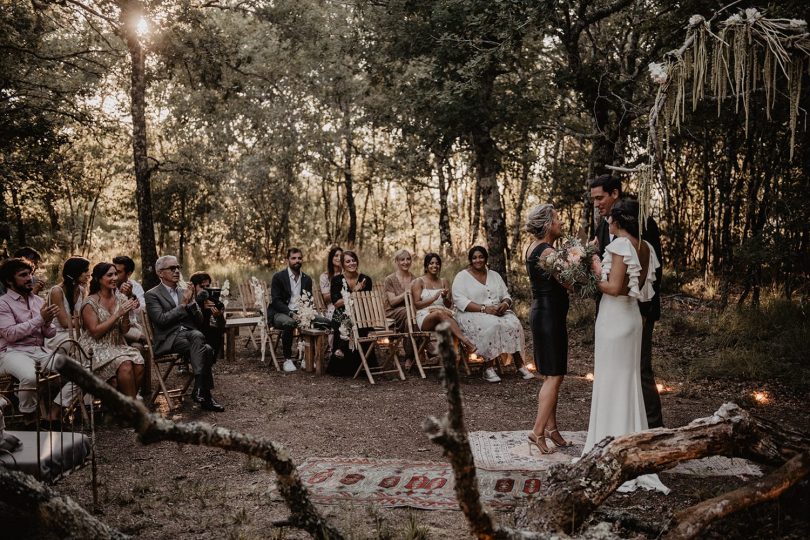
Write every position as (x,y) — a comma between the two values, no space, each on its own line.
(285,293)
(176,319)
(605,191)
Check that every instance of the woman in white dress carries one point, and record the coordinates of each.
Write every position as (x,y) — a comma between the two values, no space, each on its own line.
(483,310)
(68,296)
(334,267)
(433,303)
(628,272)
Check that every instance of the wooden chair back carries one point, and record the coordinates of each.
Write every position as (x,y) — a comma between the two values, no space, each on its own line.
(248,298)
(318,301)
(368,310)
(410,311)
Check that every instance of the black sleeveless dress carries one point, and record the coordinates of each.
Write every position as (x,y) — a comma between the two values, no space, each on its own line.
(547,318)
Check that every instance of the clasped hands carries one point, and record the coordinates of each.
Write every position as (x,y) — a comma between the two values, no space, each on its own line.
(126,307)
(498,310)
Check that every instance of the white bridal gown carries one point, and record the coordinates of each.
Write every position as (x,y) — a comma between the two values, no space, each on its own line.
(617,405)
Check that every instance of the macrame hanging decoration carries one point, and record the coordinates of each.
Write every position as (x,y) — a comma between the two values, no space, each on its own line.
(746,54)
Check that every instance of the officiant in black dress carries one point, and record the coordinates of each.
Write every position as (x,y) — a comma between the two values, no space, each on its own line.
(605,191)
(547,320)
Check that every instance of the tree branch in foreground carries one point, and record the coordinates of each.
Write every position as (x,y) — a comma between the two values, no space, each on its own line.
(690,522)
(575,491)
(152,428)
(53,511)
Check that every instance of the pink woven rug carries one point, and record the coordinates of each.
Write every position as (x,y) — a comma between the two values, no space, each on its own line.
(418,484)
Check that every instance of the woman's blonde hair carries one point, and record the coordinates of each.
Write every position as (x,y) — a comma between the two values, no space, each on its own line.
(400,253)
(538,220)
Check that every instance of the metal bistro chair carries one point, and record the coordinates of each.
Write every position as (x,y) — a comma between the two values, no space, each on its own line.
(367,311)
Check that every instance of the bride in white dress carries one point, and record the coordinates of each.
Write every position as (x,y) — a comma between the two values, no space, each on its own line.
(617,405)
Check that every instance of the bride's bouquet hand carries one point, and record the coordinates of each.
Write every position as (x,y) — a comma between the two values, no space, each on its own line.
(596,265)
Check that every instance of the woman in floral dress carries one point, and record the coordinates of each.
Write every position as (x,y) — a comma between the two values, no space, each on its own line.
(483,310)
(105,318)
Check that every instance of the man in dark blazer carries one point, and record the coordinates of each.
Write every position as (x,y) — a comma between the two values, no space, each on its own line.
(176,318)
(605,191)
(285,293)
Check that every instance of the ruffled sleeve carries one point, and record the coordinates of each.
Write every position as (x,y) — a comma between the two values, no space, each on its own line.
(647,291)
(621,246)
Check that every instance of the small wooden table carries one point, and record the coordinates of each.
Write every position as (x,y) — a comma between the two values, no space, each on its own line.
(232,327)
(315,342)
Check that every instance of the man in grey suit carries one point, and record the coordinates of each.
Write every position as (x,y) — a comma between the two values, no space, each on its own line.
(176,318)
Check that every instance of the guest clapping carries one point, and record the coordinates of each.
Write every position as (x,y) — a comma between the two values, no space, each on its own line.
(68,296)
(483,310)
(433,301)
(396,285)
(547,321)
(105,318)
(344,360)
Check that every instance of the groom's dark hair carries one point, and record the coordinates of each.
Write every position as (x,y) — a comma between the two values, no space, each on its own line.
(607,182)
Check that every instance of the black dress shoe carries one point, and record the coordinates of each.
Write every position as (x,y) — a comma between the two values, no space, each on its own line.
(210,404)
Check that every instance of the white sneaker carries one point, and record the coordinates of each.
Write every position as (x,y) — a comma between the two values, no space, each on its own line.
(289,366)
(491,376)
(525,373)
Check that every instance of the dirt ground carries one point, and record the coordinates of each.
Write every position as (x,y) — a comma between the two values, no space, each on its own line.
(173,491)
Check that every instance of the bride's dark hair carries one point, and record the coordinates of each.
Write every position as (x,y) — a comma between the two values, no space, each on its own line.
(625,214)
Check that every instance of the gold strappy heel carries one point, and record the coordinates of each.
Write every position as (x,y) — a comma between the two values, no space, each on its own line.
(559,441)
(540,442)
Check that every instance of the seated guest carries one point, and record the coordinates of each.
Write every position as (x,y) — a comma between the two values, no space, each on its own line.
(176,319)
(105,320)
(32,257)
(432,301)
(68,297)
(213,323)
(131,289)
(396,286)
(344,360)
(285,293)
(483,312)
(25,322)
(333,268)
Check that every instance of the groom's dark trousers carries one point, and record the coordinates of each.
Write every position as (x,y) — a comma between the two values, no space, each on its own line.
(651,312)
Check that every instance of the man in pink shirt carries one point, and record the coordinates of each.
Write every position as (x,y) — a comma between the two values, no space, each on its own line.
(25,322)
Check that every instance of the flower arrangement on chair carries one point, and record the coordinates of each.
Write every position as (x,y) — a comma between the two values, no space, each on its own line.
(258,295)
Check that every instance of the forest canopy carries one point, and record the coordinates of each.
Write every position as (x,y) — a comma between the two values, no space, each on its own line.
(251,125)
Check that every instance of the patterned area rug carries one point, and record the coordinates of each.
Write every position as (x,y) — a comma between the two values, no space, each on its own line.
(509,450)
(508,470)
(426,485)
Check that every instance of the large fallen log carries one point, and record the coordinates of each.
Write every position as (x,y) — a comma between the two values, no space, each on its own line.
(689,523)
(574,491)
(152,428)
(51,511)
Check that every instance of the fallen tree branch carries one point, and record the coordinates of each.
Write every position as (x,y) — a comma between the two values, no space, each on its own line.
(51,510)
(450,433)
(690,522)
(152,428)
(575,491)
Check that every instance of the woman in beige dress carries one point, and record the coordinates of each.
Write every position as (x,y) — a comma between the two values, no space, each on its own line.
(396,285)
(105,318)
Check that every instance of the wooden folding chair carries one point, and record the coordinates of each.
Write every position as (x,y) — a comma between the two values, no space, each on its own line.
(318,301)
(367,311)
(420,340)
(170,362)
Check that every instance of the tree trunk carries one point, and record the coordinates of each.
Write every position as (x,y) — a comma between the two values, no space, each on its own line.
(18,217)
(348,179)
(445,238)
(521,198)
(487,167)
(130,12)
